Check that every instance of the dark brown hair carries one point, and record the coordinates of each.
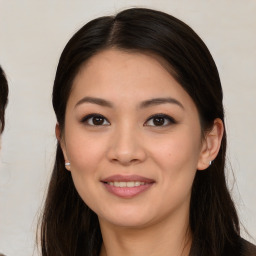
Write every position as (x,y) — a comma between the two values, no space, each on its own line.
(3,98)
(68,226)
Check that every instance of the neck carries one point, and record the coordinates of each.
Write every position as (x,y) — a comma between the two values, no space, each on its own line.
(167,237)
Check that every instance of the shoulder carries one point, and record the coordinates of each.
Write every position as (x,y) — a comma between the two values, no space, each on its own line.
(247,249)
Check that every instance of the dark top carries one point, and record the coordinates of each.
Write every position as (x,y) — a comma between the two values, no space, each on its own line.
(241,248)
(248,249)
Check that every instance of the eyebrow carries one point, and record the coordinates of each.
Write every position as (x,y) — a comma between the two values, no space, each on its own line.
(93,100)
(144,104)
(159,101)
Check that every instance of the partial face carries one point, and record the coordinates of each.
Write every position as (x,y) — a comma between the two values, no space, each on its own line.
(133,139)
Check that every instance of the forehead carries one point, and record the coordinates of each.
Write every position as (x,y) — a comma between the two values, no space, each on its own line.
(118,74)
(128,57)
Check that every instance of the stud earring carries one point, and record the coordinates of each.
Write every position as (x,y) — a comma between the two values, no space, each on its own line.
(67,165)
(210,163)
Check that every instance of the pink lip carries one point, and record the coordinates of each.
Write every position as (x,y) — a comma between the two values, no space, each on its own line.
(127,178)
(127,192)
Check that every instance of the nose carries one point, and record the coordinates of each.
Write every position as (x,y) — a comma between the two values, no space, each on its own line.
(126,147)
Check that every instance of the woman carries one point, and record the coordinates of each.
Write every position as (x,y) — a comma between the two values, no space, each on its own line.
(141,144)
(3,98)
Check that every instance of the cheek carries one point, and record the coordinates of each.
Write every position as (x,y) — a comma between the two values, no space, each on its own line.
(178,151)
(83,151)
(85,154)
(177,159)
(178,167)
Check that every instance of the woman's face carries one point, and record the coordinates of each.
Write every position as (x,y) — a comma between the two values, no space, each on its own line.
(133,139)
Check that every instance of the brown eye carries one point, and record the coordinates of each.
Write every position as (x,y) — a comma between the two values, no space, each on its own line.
(98,120)
(160,120)
(95,120)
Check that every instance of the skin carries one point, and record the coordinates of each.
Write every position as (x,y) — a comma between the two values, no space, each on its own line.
(155,222)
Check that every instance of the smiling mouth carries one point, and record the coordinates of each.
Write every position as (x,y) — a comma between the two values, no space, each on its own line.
(127,186)
(123,184)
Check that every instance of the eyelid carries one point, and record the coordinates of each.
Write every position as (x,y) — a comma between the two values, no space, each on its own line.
(87,117)
(170,119)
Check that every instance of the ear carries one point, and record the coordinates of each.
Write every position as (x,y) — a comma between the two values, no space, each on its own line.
(62,145)
(211,145)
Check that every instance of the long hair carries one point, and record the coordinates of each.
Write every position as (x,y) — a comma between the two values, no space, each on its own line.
(68,226)
(3,98)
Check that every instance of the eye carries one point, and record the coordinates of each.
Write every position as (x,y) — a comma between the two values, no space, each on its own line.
(160,120)
(95,120)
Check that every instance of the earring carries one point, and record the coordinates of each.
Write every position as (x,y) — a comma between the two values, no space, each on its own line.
(67,165)
(210,163)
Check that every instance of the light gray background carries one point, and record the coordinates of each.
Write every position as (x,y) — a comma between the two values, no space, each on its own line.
(32,36)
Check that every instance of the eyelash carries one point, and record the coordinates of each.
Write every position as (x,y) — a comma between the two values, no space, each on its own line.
(166,118)
(91,116)
(169,119)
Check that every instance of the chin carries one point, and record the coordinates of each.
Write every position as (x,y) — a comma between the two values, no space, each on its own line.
(131,223)
(127,219)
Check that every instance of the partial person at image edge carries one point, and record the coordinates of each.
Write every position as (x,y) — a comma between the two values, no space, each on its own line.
(3,102)
(3,98)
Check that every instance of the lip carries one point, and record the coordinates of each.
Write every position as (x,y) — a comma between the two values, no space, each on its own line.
(127,178)
(127,192)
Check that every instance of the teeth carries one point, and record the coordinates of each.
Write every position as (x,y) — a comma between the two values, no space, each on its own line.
(123,184)
(130,184)
(137,183)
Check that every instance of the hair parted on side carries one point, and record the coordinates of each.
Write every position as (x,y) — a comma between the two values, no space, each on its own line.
(3,98)
(68,226)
